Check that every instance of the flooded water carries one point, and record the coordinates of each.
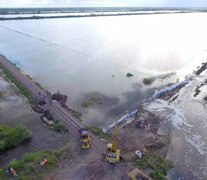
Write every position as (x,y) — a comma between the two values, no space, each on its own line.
(186,120)
(83,56)
(14,111)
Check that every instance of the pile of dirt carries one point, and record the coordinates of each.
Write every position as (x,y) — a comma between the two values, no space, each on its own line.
(131,138)
(98,169)
(48,115)
(36,108)
(62,99)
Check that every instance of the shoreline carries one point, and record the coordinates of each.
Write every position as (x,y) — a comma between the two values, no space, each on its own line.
(91,15)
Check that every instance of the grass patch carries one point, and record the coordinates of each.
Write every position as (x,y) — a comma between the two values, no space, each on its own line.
(106,136)
(23,90)
(129,74)
(13,136)
(76,114)
(85,104)
(147,81)
(99,132)
(58,126)
(28,168)
(95,99)
(157,163)
(39,85)
(29,76)
(95,130)
(90,101)
(62,152)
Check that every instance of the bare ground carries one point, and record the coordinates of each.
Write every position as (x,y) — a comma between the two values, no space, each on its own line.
(89,165)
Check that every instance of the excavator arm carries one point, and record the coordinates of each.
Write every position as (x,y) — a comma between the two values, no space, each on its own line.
(115,139)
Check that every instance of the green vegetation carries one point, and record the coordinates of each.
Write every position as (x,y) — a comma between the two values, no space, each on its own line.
(147,81)
(98,132)
(29,76)
(39,85)
(11,137)
(95,99)
(28,168)
(23,90)
(76,114)
(106,136)
(129,74)
(2,145)
(91,100)
(58,126)
(62,152)
(85,104)
(157,163)
(95,130)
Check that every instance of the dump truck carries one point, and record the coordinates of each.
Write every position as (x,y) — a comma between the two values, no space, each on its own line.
(85,138)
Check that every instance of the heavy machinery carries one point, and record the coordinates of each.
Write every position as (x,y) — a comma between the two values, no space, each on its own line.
(112,153)
(85,138)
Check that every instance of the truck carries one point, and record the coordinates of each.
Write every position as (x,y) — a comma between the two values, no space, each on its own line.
(85,138)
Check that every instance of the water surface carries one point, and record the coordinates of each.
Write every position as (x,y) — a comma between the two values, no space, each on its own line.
(81,56)
(13,111)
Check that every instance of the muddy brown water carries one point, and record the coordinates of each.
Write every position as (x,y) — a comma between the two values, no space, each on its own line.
(14,110)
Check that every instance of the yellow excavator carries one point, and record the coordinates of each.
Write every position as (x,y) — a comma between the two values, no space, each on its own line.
(112,153)
(85,138)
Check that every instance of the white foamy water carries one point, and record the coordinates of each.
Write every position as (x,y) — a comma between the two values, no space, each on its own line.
(187,117)
(186,113)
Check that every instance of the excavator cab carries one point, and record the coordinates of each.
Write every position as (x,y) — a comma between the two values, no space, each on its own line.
(112,153)
(85,138)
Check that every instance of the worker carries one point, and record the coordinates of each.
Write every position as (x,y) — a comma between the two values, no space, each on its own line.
(14,173)
(44,162)
(41,164)
(7,171)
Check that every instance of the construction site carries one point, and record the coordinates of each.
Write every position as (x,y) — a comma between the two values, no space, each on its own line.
(103,90)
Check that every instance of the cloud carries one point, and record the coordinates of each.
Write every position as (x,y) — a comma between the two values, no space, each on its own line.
(34,3)
(103,3)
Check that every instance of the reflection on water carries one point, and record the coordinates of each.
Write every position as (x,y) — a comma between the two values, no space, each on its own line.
(13,111)
(79,56)
(86,55)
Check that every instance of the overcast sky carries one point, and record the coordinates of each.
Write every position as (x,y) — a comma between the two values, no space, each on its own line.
(103,3)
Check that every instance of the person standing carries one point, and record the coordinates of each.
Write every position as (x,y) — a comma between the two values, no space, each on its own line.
(7,171)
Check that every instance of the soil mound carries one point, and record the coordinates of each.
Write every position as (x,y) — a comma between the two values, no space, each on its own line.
(60,98)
